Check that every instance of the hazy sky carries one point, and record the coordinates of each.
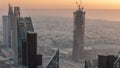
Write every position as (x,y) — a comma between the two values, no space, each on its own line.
(61,4)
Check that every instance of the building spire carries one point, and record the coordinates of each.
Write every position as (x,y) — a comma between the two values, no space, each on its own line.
(10,10)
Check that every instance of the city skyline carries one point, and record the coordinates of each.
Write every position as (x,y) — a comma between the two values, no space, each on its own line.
(20,38)
(87,40)
(61,4)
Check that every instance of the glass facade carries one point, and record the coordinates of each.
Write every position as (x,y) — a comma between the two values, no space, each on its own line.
(21,31)
(54,61)
(23,25)
(117,63)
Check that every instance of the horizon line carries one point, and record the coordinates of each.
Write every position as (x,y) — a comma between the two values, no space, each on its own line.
(58,9)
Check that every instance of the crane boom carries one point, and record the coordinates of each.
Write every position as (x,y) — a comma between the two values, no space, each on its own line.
(79,4)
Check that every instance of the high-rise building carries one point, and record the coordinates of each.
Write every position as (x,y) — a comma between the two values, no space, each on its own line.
(78,37)
(29,52)
(20,37)
(102,61)
(10,31)
(10,24)
(23,25)
(24,53)
(111,59)
(106,61)
(14,35)
(5,31)
(31,49)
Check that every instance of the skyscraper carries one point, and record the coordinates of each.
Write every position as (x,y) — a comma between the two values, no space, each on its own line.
(23,25)
(30,58)
(5,31)
(31,49)
(20,37)
(106,61)
(78,37)
(14,30)
(10,31)
(14,35)
(10,24)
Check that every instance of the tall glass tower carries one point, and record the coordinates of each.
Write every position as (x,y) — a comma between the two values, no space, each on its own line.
(10,24)
(23,25)
(5,31)
(14,35)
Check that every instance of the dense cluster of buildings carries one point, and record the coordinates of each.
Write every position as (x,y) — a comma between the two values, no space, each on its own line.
(20,43)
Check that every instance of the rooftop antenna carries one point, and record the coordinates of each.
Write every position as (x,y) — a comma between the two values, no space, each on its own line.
(79,4)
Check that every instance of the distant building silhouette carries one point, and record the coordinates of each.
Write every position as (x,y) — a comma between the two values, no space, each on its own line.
(78,37)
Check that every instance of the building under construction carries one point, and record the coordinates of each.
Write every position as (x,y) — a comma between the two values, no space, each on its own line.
(78,37)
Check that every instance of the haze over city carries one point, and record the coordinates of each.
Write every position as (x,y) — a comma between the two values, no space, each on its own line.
(59,33)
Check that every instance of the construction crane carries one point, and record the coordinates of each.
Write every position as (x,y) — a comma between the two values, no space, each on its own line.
(79,4)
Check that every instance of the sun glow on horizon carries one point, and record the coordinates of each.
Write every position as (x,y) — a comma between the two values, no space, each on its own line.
(61,4)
